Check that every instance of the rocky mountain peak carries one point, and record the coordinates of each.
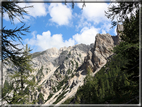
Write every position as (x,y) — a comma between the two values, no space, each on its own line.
(97,56)
(60,72)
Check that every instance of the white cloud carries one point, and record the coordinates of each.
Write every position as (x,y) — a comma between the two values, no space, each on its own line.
(46,41)
(106,27)
(34,34)
(82,23)
(38,10)
(60,13)
(103,32)
(94,12)
(5,16)
(115,31)
(86,36)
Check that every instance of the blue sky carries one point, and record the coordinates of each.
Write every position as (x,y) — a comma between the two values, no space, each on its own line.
(58,25)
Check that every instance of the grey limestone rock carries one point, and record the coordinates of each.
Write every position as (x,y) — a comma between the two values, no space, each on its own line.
(70,62)
(98,55)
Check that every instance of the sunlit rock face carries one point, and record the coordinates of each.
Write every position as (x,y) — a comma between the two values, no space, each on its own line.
(60,72)
(98,55)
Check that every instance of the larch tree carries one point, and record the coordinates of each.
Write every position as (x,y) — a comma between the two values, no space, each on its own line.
(9,49)
(16,91)
(21,85)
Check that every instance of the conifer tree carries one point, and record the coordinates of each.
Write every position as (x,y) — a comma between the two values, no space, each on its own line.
(128,49)
(21,81)
(9,49)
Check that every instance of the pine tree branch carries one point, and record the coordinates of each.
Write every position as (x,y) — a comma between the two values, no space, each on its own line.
(123,72)
(13,10)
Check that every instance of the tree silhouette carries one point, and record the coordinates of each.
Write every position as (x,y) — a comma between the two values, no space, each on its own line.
(9,49)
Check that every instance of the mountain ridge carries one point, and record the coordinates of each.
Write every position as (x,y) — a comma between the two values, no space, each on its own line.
(63,70)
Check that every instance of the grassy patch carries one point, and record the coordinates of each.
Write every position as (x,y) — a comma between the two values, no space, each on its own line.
(40,74)
(72,63)
(69,53)
(54,89)
(76,64)
(68,100)
(66,58)
(62,83)
(60,97)
(49,97)
(69,71)
(72,75)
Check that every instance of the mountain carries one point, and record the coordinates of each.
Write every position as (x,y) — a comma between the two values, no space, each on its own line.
(61,72)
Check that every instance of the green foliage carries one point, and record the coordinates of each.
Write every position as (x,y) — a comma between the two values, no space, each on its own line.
(14,10)
(40,74)
(7,88)
(9,49)
(64,87)
(69,53)
(39,88)
(64,81)
(22,86)
(121,11)
(49,97)
(54,89)
(72,63)
(76,64)
(56,71)
(40,98)
(60,97)
(68,101)
(69,71)
(72,75)
(118,81)
(66,58)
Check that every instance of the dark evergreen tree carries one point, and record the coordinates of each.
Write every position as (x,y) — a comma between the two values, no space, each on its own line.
(121,11)
(120,78)
(128,49)
(9,49)
(21,81)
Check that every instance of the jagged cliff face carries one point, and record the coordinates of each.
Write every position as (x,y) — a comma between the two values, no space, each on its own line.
(58,66)
(54,66)
(61,72)
(97,56)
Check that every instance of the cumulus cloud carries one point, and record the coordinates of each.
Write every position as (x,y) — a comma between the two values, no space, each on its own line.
(60,13)
(82,23)
(86,36)
(38,10)
(46,41)
(94,12)
(106,27)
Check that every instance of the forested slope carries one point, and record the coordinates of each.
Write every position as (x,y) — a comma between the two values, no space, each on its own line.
(118,81)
